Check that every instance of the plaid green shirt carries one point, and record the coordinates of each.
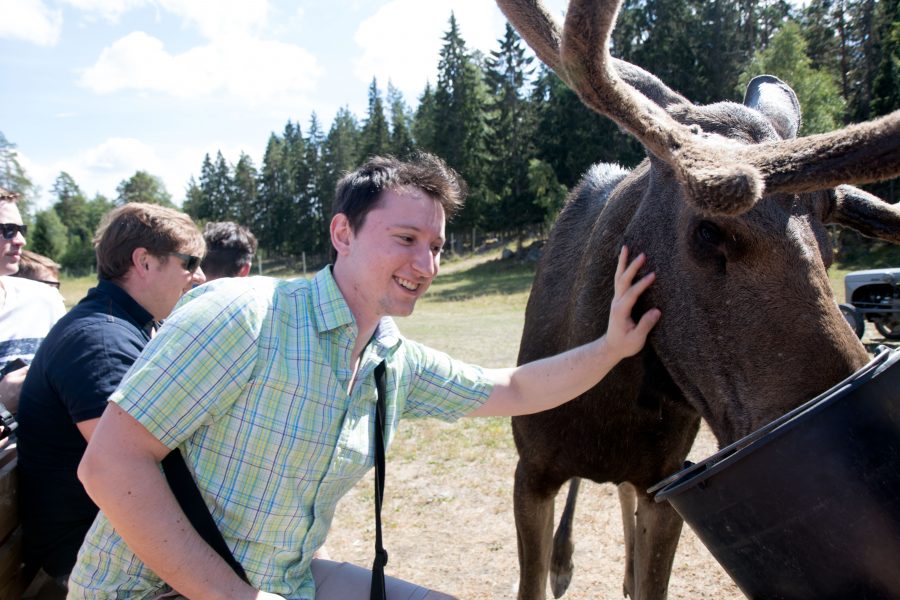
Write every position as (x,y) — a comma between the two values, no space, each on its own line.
(250,377)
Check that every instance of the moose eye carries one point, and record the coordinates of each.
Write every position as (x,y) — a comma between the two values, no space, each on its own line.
(709,233)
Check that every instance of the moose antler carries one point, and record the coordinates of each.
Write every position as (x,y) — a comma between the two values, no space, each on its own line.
(721,176)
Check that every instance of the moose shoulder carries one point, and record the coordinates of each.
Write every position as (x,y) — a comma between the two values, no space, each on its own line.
(730,209)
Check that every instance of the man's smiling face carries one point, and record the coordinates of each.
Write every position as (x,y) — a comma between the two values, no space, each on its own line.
(392,258)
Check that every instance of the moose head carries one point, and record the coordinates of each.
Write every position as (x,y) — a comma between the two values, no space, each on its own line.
(731,209)
(732,216)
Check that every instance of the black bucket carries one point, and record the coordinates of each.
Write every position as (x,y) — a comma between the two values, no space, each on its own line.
(807,507)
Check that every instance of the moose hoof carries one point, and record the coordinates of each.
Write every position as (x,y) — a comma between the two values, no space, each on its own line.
(560,580)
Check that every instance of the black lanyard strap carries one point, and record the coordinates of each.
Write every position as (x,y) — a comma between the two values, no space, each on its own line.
(381,556)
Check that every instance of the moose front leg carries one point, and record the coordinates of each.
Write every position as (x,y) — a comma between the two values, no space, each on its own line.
(533,508)
(656,533)
(628,505)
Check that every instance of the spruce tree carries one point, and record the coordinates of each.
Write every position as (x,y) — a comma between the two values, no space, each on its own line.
(375,134)
(424,126)
(339,154)
(511,135)
(244,192)
(401,141)
(461,101)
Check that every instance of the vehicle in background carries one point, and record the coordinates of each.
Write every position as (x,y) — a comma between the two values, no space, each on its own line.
(873,295)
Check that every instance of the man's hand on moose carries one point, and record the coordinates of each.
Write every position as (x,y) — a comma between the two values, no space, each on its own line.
(624,336)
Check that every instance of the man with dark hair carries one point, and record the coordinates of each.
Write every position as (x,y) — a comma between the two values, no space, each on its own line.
(277,422)
(147,257)
(229,250)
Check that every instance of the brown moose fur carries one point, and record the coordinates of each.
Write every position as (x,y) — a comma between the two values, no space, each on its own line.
(732,218)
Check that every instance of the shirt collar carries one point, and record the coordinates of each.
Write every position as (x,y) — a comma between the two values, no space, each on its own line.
(332,311)
(134,310)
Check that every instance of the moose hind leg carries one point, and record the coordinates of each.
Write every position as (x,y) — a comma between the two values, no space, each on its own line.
(657,530)
(561,565)
(533,509)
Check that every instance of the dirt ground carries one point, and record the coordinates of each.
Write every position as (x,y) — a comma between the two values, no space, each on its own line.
(449,524)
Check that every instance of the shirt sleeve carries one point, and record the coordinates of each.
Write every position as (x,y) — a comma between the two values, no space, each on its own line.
(441,386)
(196,366)
(106,350)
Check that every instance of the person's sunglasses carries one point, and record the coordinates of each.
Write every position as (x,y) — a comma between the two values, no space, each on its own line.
(189,262)
(10,230)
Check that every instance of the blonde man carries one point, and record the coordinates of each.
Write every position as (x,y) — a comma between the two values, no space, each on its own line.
(147,257)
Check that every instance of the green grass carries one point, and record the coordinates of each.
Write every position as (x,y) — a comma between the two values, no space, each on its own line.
(74,289)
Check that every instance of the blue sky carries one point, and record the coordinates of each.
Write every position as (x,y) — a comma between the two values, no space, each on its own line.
(102,88)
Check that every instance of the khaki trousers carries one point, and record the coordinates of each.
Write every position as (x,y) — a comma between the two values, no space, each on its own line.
(343,581)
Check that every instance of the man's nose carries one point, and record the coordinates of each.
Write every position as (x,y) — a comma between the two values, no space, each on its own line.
(426,262)
(198,277)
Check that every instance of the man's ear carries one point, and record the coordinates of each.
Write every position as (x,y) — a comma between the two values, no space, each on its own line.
(341,233)
(140,261)
(244,270)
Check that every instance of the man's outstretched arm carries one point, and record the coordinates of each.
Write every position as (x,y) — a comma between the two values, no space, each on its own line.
(549,382)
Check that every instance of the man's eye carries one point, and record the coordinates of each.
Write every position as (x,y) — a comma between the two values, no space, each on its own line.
(437,249)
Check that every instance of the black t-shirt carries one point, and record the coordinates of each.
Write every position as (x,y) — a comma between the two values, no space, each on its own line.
(75,370)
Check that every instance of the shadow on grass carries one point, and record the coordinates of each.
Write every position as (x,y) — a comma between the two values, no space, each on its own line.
(493,277)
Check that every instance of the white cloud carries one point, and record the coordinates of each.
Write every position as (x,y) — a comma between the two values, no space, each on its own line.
(30,21)
(214,19)
(101,168)
(401,42)
(221,19)
(110,10)
(248,69)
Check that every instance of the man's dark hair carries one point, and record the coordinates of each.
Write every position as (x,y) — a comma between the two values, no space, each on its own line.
(229,247)
(360,191)
(159,229)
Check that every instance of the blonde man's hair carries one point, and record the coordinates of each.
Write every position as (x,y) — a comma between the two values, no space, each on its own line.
(158,229)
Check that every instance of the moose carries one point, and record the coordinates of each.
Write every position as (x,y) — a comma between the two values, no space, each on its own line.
(730,208)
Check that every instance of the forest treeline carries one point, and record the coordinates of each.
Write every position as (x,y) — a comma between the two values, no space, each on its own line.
(517,135)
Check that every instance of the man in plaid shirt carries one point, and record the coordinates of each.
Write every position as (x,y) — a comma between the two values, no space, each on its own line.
(266,387)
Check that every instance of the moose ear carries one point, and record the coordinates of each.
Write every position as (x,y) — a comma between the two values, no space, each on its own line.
(777,101)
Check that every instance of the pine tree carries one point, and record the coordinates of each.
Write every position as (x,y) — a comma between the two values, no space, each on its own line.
(339,154)
(511,135)
(244,192)
(401,141)
(424,126)
(72,208)
(50,235)
(375,134)
(307,238)
(886,81)
(193,197)
(570,137)
(274,195)
(461,100)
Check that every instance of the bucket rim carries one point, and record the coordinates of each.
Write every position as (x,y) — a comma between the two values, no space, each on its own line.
(695,474)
